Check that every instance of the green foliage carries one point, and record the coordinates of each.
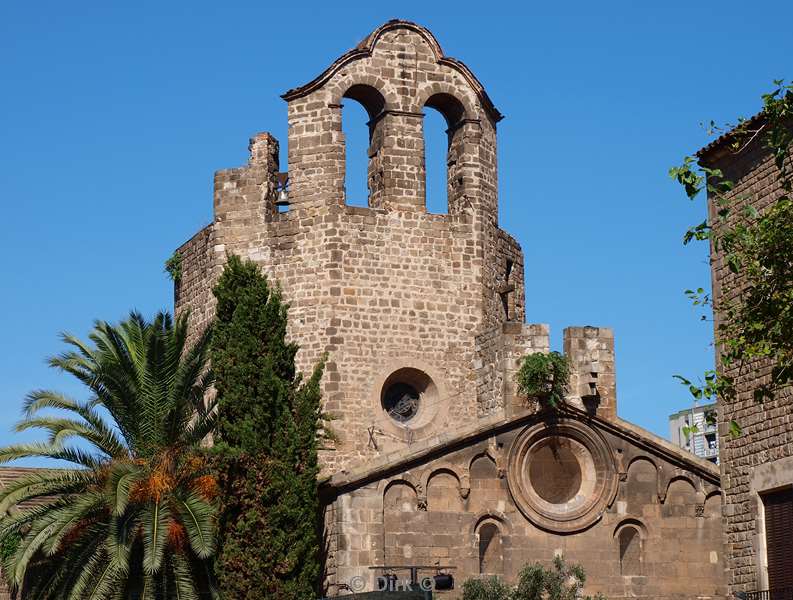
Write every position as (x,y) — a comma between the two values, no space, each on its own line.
(756,305)
(173,266)
(266,456)
(535,582)
(544,376)
(8,547)
(489,588)
(134,517)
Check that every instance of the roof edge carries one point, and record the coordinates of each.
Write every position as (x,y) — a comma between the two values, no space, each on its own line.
(395,462)
(366,47)
(716,148)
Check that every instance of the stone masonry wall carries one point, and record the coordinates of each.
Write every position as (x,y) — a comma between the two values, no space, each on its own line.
(389,286)
(767,427)
(457,508)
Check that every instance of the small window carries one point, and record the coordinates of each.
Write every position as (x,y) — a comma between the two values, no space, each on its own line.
(630,542)
(490,553)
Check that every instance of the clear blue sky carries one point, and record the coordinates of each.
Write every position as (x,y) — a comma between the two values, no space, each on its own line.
(114,115)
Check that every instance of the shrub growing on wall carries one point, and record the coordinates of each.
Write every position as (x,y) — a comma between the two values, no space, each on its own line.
(266,450)
(544,376)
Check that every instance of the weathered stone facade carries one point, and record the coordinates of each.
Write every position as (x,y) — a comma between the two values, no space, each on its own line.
(422,317)
(760,460)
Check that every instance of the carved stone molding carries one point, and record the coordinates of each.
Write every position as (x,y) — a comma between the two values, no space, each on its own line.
(562,476)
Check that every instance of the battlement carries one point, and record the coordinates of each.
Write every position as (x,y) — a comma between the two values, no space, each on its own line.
(590,351)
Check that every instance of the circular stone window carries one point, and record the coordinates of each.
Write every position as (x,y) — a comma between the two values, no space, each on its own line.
(562,476)
(554,470)
(406,397)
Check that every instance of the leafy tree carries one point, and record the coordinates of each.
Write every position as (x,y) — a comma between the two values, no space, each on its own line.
(266,445)
(756,302)
(535,582)
(135,516)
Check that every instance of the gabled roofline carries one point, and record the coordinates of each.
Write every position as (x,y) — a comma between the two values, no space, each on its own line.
(717,148)
(399,461)
(365,48)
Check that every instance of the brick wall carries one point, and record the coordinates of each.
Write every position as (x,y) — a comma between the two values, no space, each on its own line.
(767,436)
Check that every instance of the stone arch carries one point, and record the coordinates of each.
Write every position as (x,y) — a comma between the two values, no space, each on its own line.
(503,520)
(370,91)
(644,458)
(450,107)
(713,505)
(443,491)
(438,94)
(630,536)
(362,155)
(443,467)
(400,495)
(680,486)
(486,454)
(632,521)
(489,535)
(442,167)
(641,485)
(483,473)
(490,551)
(403,515)
(369,97)
(682,500)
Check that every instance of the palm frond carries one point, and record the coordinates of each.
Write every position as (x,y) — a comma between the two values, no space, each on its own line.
(198,517)
(184,588)
(154,521)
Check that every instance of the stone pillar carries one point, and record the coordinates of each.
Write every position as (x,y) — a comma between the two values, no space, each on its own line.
(316,155)
(400,163)
(592,378)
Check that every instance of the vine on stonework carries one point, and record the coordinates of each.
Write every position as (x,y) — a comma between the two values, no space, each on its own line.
(756,304)
(173,266)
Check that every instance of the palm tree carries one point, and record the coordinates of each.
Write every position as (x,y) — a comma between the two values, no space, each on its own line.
(134,518)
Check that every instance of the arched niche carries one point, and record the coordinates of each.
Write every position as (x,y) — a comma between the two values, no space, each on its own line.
(713,506)
(400,497)
(490,547)
(641,487)
(681,499)
(630,547)
(443,492)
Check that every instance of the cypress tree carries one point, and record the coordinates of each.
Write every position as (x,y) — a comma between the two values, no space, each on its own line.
(266,447)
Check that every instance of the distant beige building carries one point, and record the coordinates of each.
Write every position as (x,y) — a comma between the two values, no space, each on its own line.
(694,429)
(439,462)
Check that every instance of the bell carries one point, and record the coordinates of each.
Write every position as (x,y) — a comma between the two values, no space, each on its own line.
(283,198)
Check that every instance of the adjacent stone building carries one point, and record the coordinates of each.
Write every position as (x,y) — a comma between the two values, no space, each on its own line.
(439,463)
(757,466)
